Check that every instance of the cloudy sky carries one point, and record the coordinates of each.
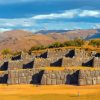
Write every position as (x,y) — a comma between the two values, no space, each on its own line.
(36,15)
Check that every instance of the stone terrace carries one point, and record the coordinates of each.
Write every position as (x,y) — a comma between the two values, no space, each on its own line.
(30,68)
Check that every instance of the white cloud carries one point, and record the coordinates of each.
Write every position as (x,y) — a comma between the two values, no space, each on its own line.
(90,13)
(70,14)
(96,26)
(23,22)
(66,14)
(5,29)
(35,22)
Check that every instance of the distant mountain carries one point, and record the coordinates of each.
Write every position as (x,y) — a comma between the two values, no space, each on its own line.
(23,40)
(97,35)
(72,34)
(52,31)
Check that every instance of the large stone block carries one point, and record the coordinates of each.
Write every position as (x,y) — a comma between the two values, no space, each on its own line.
(49,81)
(53,82)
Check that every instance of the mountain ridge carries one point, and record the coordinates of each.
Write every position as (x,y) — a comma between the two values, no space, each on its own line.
(23,40)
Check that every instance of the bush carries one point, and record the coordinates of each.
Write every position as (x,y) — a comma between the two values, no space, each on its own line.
(76,42)
(16,53)
(6,51)
(56,45)
(37,48)
(95,43)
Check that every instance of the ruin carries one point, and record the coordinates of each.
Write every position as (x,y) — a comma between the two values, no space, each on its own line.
(30,68)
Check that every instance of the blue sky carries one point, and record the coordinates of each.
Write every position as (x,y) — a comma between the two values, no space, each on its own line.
(34,15)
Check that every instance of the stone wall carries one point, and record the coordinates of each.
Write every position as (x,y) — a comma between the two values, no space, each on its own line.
(28,76)
(71,76)
(41,62)
(76,62)
(46,62)
(43,77)
(51,77)
(89,77)
(57,77)
(3,77)
(57,57)
(70,62)
(39,54)
(4,65)
(57,53)
(96,62)
(81,53)
(18,64)
(21,64)
(68,53)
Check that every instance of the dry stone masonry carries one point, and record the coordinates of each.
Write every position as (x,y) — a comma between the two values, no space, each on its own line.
(30,68)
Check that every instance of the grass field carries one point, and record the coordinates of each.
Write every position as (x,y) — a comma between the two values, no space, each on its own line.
(63,92)
(50,97)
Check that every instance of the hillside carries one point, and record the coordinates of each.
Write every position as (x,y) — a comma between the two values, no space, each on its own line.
(23,40)
(20,40)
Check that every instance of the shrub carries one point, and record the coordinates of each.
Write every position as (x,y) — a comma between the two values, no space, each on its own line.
(56,45)
(6,51)
(37,48)
(76,42)
(95,42)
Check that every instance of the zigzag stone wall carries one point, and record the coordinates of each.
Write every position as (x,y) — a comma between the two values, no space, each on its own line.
(89,77)
(43,77)
(96,62)
(51,77)
(45,62)
(3,77)
(60,77)
(26,69)
(28,76)
(54,77)
(77,61)
(70,62)
(58,57)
